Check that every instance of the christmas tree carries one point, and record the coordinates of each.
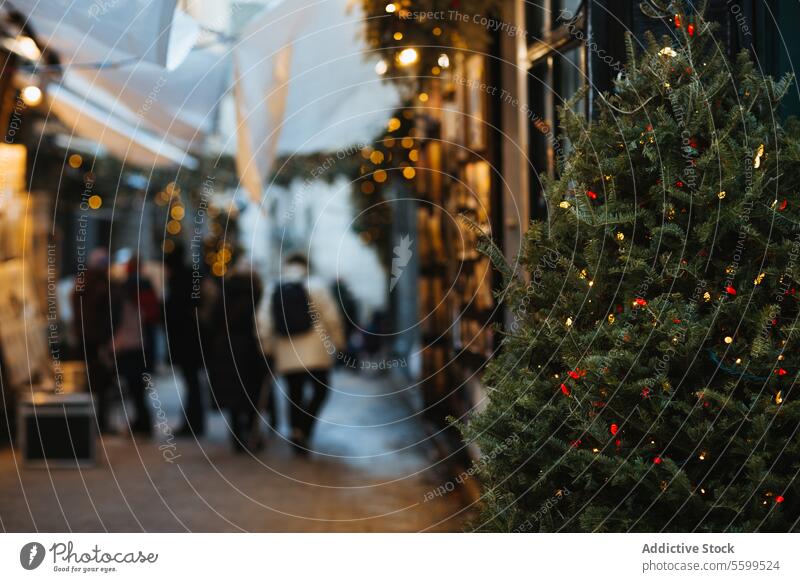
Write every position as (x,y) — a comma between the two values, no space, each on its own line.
(648,381)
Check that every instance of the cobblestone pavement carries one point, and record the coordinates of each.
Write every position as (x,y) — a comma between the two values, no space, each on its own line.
(371,470)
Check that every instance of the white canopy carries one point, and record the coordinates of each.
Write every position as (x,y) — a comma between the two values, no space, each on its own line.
(88,31)
(181,104)
(303,85)
(128,142)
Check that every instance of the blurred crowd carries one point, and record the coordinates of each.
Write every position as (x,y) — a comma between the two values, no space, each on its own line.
(230,339)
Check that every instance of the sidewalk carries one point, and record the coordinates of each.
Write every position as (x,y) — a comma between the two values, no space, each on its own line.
(370,472)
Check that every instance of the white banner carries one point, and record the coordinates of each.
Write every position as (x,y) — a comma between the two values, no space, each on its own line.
(400,557)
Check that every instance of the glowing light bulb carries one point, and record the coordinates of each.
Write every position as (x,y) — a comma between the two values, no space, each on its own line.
(381,67)
(32,95)
(408,57)
(444,61)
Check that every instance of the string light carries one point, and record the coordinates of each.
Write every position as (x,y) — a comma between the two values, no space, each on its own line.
(408,57)
(32,95)
(759,155)
(444,61)
(381,67)
(391,8)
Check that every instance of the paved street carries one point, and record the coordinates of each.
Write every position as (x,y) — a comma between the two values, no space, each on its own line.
(370,472)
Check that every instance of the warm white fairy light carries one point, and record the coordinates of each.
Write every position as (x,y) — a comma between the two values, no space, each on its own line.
(32,95)
(408,57)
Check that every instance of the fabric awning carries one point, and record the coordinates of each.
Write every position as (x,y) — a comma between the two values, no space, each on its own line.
(181,104)
(88,31)
(116,134)
(303,85)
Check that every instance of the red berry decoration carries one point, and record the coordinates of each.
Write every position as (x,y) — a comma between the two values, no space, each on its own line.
(656,460)
(679,184)
(645,392)
(690,29)
(592,195)
(783,205)
(730,290)
(565,390)
(779,499)
(639,301)
(676,320)
(573,374)
(781,372)
(677,21)
(575,444)
(613,429)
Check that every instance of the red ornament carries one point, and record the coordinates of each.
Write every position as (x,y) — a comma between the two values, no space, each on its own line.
(618,442)
(574,375)
(677,21)
(690,29)
(565,390)
(592,195)
(575,444)
(676,320)
(779,499)
(640,302)
(613,429)
(783,205)
(645,392)
(781,372)
(730,290)
(679,184)
(656,460)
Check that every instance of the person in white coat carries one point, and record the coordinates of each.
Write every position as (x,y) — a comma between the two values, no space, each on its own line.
(300,327)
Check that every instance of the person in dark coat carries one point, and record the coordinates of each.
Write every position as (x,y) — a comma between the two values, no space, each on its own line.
(182,319)
(236,365)
(139,309)
(93,310)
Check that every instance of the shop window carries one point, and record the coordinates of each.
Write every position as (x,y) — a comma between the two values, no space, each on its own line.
(557,70)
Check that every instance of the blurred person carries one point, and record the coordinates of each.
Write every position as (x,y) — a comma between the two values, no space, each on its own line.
(235,364)
(137,305)
(302,321)
(92,314)
(183,332)
(348,307)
